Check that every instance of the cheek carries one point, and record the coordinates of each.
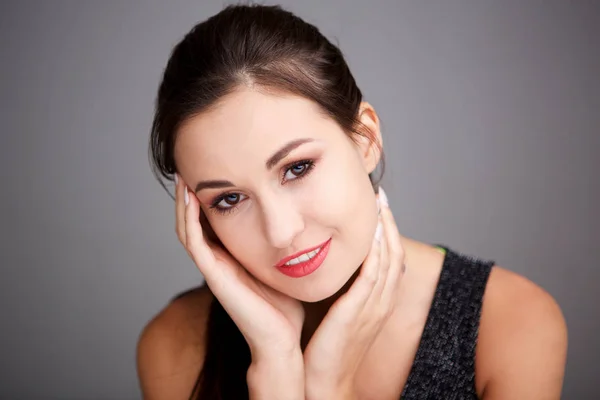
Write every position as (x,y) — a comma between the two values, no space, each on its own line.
(236,236)
(343,192)
(347,204)
(241,235)
(337,196)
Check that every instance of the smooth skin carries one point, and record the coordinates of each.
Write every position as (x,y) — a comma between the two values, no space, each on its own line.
(521,351)
(272,323)
(365,338)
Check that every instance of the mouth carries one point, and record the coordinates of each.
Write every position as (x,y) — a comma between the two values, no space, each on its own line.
(305,262)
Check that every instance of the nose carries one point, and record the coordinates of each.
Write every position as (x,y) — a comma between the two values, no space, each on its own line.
(283,221)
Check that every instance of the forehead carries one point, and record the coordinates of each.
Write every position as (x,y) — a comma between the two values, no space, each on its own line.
(249,125)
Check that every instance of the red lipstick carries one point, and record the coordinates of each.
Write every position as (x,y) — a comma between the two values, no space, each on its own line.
(305,267)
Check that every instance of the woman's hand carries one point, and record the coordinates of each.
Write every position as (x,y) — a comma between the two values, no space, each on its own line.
(270,321)
(339,344)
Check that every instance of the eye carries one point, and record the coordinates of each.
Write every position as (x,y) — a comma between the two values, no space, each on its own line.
(226,203)
(231,199)
(298,170)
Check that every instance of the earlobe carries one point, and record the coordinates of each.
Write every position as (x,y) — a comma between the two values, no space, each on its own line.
(369,142)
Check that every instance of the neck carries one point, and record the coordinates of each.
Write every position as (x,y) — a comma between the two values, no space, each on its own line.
(314,313)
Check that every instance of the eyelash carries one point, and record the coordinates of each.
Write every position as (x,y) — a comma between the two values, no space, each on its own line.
(310,164)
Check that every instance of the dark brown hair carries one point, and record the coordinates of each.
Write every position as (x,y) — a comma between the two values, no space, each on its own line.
(270,49)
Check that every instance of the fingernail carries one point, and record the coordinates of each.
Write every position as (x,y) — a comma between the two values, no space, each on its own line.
(378,231)
(186,196)
(176,178)
(382,197)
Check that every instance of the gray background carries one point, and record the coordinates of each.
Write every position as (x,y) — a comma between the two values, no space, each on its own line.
(491,116)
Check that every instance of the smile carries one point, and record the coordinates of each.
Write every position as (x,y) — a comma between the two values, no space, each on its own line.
(303,257)
(297,266)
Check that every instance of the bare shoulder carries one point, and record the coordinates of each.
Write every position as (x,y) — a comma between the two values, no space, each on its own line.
(170,349)
(522,346)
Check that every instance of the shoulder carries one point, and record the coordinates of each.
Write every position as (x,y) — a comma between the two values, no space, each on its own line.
(170,349)
(522,345)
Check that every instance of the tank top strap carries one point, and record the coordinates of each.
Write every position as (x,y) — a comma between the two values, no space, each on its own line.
(444,365)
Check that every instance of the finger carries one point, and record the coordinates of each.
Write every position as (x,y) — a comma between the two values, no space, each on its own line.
(385,270)
(370,272)
(394,243)
(196,246)
(362,288)
(395,254)
(221,280)
(384,258)
(180,210)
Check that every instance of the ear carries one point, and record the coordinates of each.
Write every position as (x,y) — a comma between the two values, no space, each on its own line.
(369,143)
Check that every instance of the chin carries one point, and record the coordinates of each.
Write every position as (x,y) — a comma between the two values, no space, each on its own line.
(324,287)
(315,296)
(336,275)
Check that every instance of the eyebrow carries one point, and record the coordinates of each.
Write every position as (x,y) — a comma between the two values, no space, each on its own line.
(270,163)
(284,151)
(212,185)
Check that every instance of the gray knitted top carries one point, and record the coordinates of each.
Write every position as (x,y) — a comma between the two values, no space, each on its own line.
(444,366)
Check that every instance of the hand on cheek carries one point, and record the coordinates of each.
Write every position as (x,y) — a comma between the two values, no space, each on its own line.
(338,346)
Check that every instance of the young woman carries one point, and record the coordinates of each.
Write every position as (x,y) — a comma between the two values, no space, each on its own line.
(311,291)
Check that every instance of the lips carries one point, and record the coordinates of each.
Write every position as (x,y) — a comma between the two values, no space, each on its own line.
(298,254)
(304,266)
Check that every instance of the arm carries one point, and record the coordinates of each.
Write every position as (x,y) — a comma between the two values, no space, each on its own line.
(523,340)
(277,378)
(170,349)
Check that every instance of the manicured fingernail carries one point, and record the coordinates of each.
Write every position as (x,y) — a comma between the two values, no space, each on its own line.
(382,197)
(186,196)
(176,179)
(378,231)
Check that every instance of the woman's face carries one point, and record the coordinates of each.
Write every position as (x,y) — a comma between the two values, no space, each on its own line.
(276,204)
